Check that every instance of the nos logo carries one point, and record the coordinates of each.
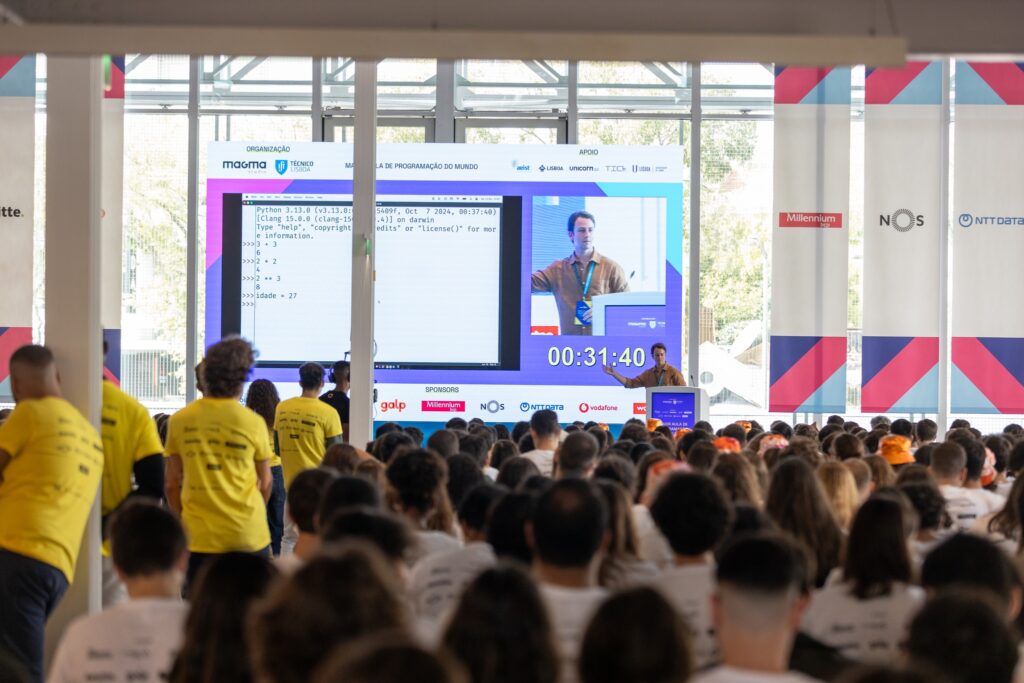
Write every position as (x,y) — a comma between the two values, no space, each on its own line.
(903,220)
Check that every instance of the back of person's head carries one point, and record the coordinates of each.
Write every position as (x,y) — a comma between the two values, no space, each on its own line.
(391,444)
(502,451)
(506,526)
(214,646)
(835,420)
(486,432)
(568,524)
(882,473)
(477,504)
(305,496)
(877,550)
(515,470)
(692,512)
(311,376)
(341,372)
(577,454)
(643,470)
(32,367)
(544,423)
(926,430)
(759,577)
(1015,461)
(384,530)
(929,503)
(635,432)
(861,473)
(689,439)
(415,433)
(702,456)
(879,421)
(1014,432)
(618,469)
(969,560)
(444,442)
(500,630)
(388,658)
(417,477)
(902,427)
(386,428)
(262,398)
(923,454)
(347,491)
(781,427)
(519,430)
(963,634)
(661,443)
(337,597)
(456,424)
(146,540)
(463,474)
(915,474)
(226,367)
(960,423)
(474,446)
(735,431)
(636,636)
(343,458)
(841,491)
(948,460)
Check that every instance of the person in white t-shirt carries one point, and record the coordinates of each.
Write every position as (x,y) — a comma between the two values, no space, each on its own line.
(760,595)
(546,434)
(568,534)
(694,514)
(438,580)
(138,639)
(417,482)
(949,465)
(865,613)
(981,471)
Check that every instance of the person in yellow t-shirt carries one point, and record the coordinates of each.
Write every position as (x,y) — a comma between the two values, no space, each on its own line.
(305,427)
(131,450)
(218,462)
(51,464)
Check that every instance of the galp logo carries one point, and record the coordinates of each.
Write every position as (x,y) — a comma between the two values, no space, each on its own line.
(281,165)
(392,406)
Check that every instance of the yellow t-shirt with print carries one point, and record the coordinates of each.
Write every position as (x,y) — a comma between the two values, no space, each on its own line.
(219,442)
(303,425)
(50,483)
(129,435)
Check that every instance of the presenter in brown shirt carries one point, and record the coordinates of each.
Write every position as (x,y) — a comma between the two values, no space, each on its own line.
(661,375)
(575,280)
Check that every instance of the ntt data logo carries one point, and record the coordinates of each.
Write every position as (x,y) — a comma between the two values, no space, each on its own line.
(968,220)
(527,407)
(901,220)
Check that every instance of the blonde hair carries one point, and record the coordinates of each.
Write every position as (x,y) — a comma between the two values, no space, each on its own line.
(841,491)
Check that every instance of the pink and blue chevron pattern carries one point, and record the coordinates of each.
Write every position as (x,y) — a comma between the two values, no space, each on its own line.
(990,83)
(916,83)
(988,375)
(11,339)
(900,374)
(808,374)
(809,85)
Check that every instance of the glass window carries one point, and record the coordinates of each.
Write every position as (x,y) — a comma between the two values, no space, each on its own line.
(482,134)
(402,84)
(270,83)
(634,87)
(527,85)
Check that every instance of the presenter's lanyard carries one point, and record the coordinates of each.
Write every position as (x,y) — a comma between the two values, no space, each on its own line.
(661,378)
(590,274)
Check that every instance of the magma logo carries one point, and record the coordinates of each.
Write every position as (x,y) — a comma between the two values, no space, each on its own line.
(392,406)
(262,165)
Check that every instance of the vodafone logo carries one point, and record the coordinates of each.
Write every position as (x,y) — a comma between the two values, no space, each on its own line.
(392,406)
(639,408)
(586,408)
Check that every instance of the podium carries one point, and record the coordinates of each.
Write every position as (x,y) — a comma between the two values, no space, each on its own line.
(677,407)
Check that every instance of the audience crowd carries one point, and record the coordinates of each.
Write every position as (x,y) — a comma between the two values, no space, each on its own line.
(251,542)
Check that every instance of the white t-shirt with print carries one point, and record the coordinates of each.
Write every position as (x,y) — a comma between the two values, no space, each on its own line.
(654,547)
(689,589)
(728,674)
(438,580)
(427,543)
(135,640)
(868,631)
(963,507)
(544,460)
(570,611)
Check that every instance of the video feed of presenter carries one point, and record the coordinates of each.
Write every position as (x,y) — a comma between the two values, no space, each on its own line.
(446,284)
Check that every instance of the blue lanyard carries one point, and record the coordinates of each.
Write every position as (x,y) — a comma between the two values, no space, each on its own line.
(590,274)
(661,378)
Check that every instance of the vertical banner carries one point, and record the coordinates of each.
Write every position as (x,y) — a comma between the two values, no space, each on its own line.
(810,240)
(902,236)
(112,122)
(17,171)
(988,239)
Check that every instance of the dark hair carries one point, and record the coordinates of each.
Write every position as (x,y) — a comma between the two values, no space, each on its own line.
(1000,447)
(341,457)
(1015,463)
(704,426)
(145,538)
(501,631)
(387,446)
(765,562)
(926,430)
(415,433)
(846,446)
(636,637)
(569,523)
(637,433)
(781,427)
(658,345)
(702,456)
(515,470)
(503,451)
(519,429)
(971,561)
(644,468)
(902,427)
(882,472)
(444,442)
(340,371)
(1008,521)
(382,529)
(311,375)
(474,446)
(418,477)
(214,647)
(305,495)
(738,477)
(544,423)
(691,438)
(34,356)
(579,214)
(577,453)
(337,597)
(618,469)
(797,503)
(929,503)
(948,459)
(975,452)
(386,428)
(347,491)
(506,526)
(692,512)
(262,399)
(923,454)
(960,423)
(226,367)
(477,504)
(877,551)
(456,424)
(963,634)
(387,658)
(735,431)
(463,474)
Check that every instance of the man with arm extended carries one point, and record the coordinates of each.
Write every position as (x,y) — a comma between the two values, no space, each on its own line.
(575,280)
(661,375)
(51,463)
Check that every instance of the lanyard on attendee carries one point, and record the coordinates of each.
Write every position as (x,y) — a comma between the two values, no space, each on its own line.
(661,378)
(590,274)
